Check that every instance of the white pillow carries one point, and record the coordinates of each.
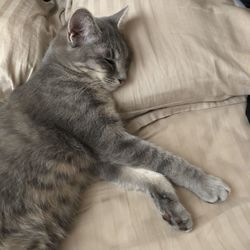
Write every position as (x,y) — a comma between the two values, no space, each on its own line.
(185,51)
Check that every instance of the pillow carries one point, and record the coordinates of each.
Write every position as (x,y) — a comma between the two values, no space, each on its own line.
(27,26)
(185,51)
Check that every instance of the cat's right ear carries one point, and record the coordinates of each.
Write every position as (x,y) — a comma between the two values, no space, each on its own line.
(82,28)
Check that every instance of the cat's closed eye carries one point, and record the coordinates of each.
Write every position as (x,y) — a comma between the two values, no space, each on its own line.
(110,62)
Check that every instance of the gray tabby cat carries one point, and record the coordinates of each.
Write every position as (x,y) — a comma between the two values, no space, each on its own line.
(60,131)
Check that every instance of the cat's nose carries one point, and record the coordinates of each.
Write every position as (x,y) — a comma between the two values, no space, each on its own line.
(122,78)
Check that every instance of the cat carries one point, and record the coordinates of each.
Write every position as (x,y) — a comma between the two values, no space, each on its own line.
(60,131)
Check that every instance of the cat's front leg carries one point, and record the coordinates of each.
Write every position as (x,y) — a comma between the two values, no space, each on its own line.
(127,149)
(152,183)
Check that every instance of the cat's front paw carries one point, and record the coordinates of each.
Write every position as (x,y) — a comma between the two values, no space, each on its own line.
(173,211)
(212,189)
(180,219)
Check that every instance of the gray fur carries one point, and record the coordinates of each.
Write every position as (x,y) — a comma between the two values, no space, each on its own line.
(60,131)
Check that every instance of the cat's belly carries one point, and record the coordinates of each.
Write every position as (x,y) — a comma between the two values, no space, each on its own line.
(39,190)
(46,204)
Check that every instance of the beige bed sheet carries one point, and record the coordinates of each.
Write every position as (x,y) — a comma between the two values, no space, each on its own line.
(216,139)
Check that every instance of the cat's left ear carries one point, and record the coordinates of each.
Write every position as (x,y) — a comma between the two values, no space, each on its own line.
(119,17)
(82,28)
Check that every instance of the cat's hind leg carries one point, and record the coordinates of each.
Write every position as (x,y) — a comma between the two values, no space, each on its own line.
(32,232)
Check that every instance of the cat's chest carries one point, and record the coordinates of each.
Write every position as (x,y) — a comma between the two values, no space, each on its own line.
(102,105)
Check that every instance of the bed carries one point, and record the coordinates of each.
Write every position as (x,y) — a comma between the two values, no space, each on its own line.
(186,92)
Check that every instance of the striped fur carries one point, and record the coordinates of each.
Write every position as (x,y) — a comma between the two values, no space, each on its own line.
(60,131)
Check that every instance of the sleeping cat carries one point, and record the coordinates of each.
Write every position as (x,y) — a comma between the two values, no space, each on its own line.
(60,131)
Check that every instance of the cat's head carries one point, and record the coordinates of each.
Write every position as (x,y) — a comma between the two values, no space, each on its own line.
(96,46)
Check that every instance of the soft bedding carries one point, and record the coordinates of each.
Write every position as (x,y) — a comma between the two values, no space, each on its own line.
(186,93)
(186,52)
(27,26)
(215,139)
